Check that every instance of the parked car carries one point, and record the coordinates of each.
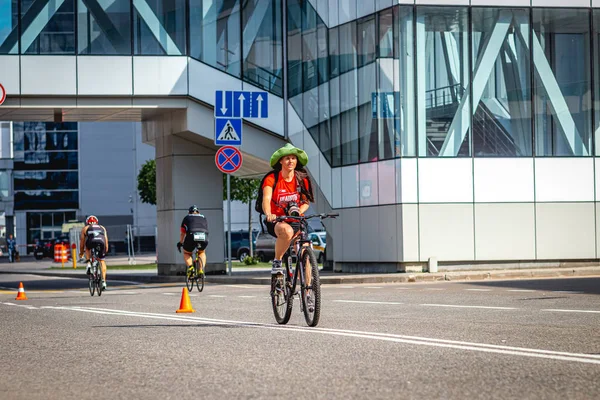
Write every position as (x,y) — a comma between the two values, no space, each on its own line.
(240,246)
(265,245)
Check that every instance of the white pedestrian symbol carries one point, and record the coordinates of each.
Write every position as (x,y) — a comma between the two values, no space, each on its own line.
(228,133)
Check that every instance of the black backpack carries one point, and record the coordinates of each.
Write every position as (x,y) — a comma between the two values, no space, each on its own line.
(259,199)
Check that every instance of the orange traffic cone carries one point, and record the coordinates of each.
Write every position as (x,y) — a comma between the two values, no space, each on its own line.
(21,293)
(185,306)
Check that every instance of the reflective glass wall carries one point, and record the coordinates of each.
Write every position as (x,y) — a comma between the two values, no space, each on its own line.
(449,81)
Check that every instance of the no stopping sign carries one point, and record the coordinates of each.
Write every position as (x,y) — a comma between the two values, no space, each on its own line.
(2,94)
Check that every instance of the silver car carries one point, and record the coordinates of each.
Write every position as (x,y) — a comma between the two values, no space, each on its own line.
(265,246)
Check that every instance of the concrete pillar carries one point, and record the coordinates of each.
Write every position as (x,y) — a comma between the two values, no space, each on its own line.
(185,175)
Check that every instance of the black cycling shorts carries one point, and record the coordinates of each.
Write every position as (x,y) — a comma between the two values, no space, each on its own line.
(189,244)
(271,227)
(100,247)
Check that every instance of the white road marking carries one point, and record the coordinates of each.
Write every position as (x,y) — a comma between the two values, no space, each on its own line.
(215,295)
(432,288)
(241,286)
(521,290)
(460,306)
(573,311)
(480,290)
(247,297)
(373,287)
(567,291)
(404,288)
(346,287)
(10,304)
(366,302)
(29,307)
(169,294)
(415,340)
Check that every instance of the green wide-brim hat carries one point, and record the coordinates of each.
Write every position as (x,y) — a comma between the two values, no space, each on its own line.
(288,150)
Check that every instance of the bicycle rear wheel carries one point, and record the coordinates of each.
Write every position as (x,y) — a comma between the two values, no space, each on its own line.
(311,295)
(199,275)
(282,299)
(189,279)
(91,284)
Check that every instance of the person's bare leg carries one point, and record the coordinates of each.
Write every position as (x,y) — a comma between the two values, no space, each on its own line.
(203,258)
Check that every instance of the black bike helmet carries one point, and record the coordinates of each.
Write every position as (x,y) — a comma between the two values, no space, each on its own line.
(193,210)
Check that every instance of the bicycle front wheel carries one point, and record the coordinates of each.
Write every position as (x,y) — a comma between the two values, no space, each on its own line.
(200,275)
(311,294)
(282,299)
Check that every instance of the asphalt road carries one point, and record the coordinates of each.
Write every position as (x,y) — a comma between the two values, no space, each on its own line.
(535,339)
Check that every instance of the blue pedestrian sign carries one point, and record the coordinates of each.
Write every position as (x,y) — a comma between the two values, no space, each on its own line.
(228,131)
(241,104)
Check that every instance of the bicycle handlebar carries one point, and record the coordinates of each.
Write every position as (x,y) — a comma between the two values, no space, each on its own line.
(305,217)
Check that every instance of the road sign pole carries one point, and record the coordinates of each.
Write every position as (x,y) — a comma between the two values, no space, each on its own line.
(229,221)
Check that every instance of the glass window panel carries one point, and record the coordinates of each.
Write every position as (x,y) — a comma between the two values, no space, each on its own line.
(323,56)
(386,174)
(104,27)
(34,220)
(443,105)
(44,180)
(364,7)
(159,27)
(562,82)
(45,160)
(9,33)
(404,83)
(4,184)
(386,33)
(44,200)
(597,78)
(347,43)
(501,124)
(294,49)
(47,32)
(366,40)
(334,52)
(215,36)
(368,185)
(47,219)
(368,133)
(388,134)
(263,47)
(347,10)
(336,144)
(309,47)
(58,218)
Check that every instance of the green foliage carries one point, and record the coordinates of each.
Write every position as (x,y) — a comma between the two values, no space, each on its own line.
(244,190)
(147,182)
(251,260)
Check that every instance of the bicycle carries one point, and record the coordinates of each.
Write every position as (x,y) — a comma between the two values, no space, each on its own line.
(283,287)
(196,273)
(95,277)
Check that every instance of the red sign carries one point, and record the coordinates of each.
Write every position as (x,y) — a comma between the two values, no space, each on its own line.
(2,94)
(228,159)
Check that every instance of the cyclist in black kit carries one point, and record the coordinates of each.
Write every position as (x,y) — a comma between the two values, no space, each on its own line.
(194,229)
(93,235)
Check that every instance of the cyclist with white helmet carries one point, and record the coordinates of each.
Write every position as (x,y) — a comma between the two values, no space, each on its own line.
(93,235)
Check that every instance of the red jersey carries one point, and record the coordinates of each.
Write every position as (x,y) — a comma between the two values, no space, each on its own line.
(283,193)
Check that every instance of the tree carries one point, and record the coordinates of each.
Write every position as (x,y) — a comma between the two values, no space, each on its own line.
(147,182)
(244,190)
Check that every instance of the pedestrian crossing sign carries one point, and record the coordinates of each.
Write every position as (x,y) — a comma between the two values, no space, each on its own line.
(228,131)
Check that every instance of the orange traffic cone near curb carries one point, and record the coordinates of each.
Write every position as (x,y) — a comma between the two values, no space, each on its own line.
(21,293)
(185,306)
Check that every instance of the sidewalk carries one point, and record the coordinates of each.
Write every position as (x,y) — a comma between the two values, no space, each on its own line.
(261,276)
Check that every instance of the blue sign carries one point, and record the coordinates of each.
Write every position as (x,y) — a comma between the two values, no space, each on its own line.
(383,105)
(241,104)
(228,131)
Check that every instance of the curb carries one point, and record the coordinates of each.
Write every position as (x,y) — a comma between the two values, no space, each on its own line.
(264,278)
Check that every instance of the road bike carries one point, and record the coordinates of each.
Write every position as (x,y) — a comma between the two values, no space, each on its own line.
(95,276)
(284,287)
(195,274)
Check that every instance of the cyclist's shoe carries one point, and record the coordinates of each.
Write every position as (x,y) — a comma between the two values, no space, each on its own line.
(103,285)
(88,269)
(277,269)
(310,303)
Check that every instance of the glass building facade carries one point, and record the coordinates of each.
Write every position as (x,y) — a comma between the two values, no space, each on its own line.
(46,175)
(370,80)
